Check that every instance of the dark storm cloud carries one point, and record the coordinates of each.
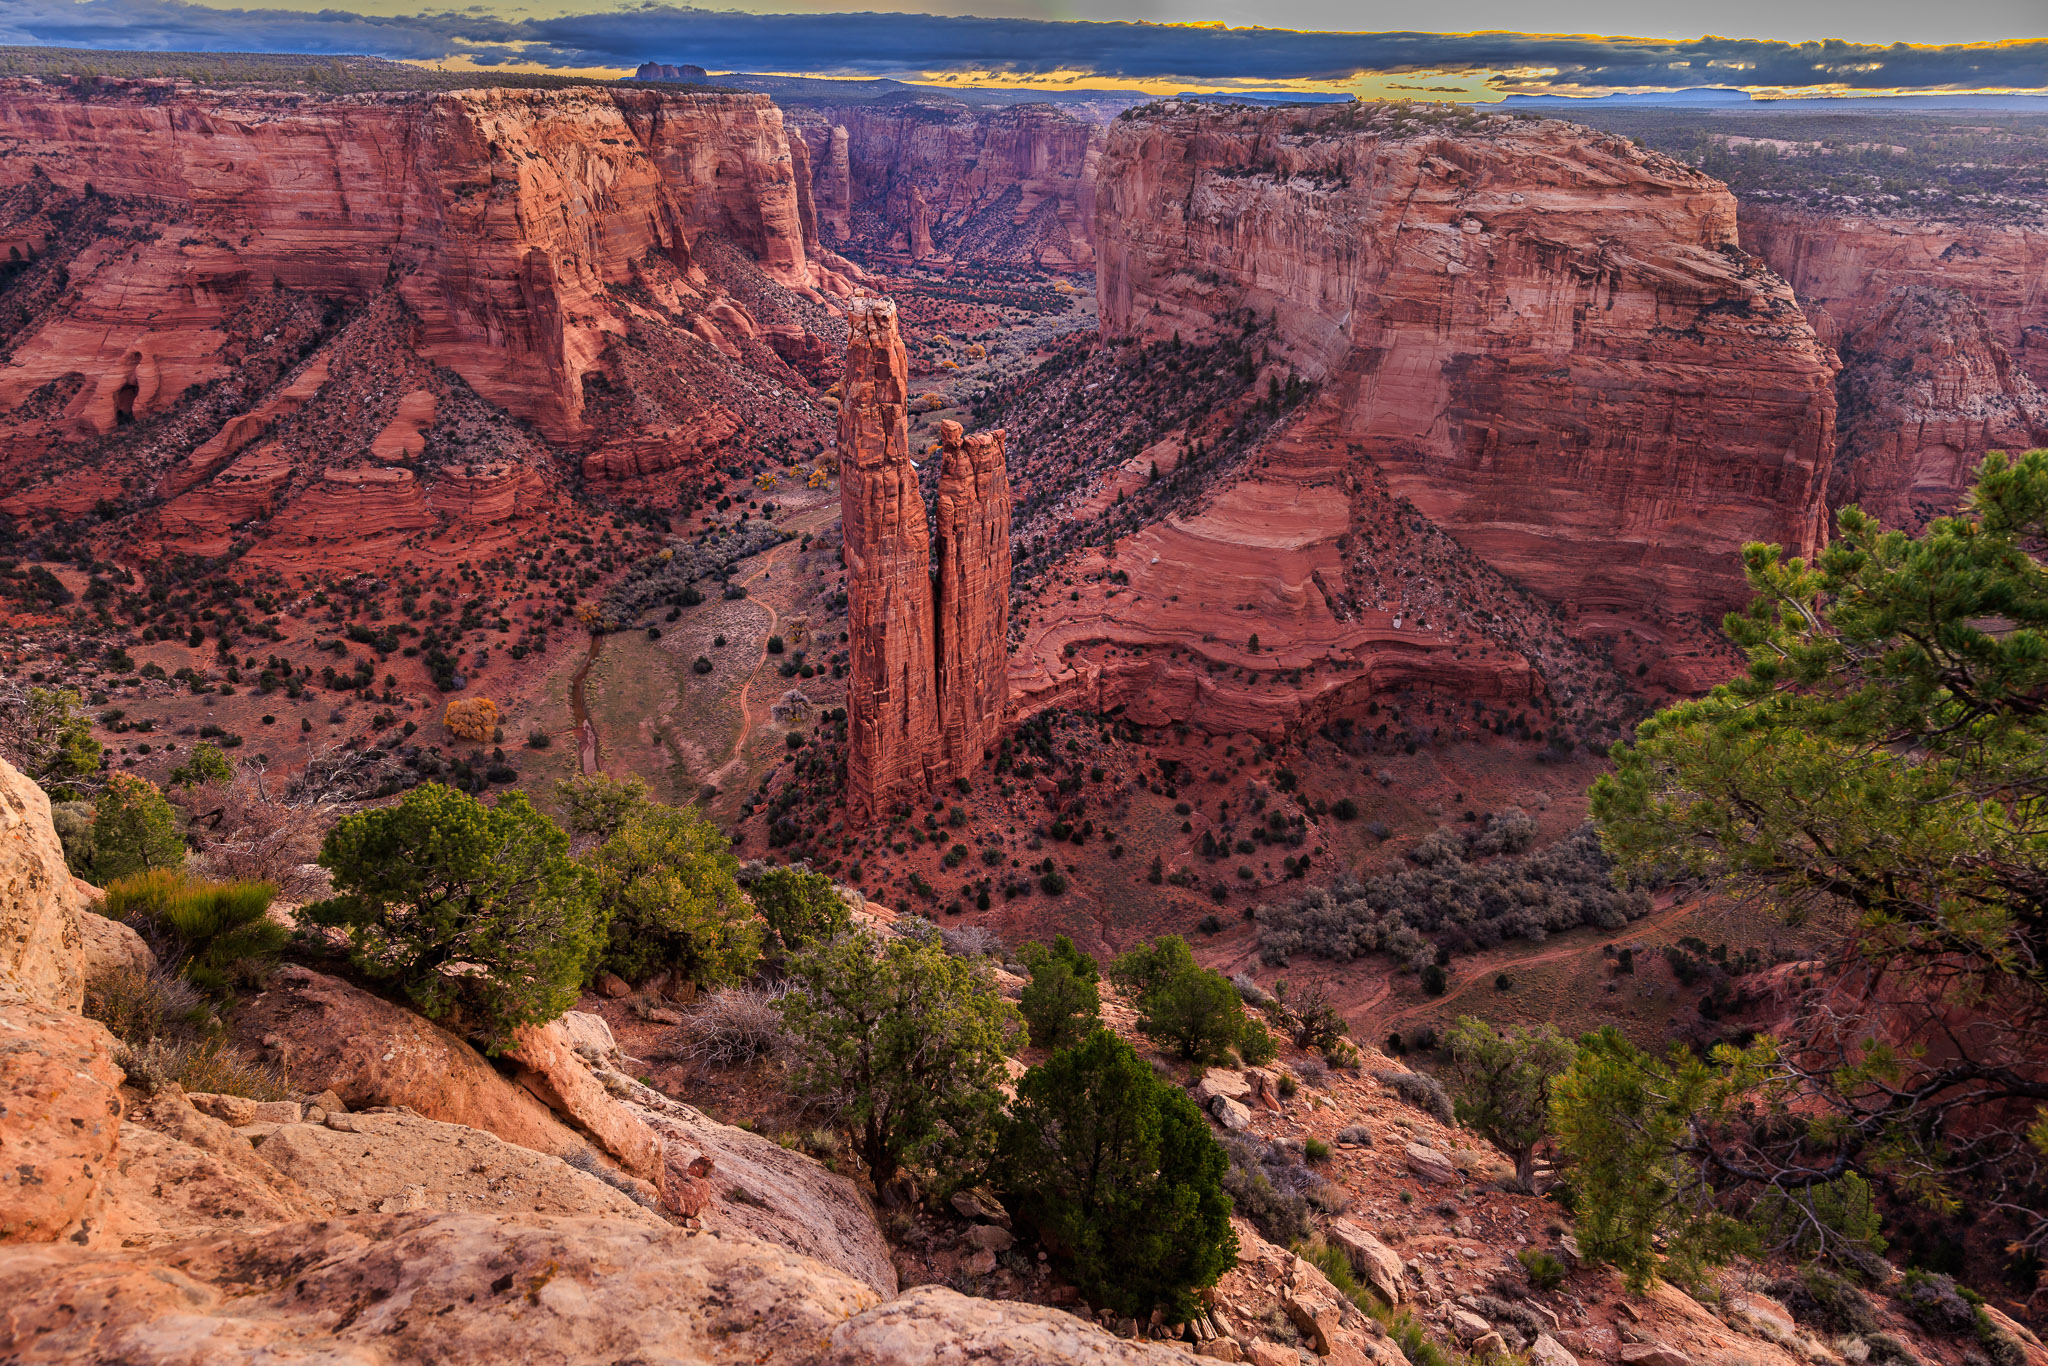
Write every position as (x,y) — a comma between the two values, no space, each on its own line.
(898,44)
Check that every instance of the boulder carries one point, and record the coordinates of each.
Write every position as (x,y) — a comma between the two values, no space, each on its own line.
(368,1052)
(232,1110)
(1469,1326)
(106,946)
(1222,1082)
(612,985)
(41,946)
(1489,1345)
(744,1184)
(994,1237)
(1430,1164)
(1230,1114)
(551,1070)
(1652,1354)
(1379,1265)
(1548,1351)
(60,1102)
(979,1202)
(591,1037)
(930,1325)
(1220,1349)
(429,1288)
(1270,1354)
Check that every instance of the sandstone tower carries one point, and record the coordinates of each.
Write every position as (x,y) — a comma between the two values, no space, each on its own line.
(928,687)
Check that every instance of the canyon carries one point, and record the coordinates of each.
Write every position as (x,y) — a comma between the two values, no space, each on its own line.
(936,182)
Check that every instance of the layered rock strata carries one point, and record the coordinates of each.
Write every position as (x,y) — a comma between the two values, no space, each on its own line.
(1844,268)
(1549,339)
(927,686)
(934,180)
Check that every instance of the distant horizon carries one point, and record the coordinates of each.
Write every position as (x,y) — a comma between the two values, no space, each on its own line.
(1120,56)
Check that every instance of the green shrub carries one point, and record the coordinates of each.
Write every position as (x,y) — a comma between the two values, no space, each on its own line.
(1545,1272)
(73,824)
(213,932)
(46,735)
(1823,1301)
(476,912)
(1061,1003)
(133,830)
(1315,1150)
(1181,1004)
(207,765)
(1118,1171)
(1837,1219)
(1255,1044)
(664,889)
(801,908)
(1503,1082)
(905,1046)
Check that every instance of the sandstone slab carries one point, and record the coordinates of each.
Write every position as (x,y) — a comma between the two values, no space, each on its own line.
(552,1071)
(368,1052)
(930,1325)
(60,1115)
(1548,1351)
(41,949)
(106,946)
(1430,1164)
(1378,1264)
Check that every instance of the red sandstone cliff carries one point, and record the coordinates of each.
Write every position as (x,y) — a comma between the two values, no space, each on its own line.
(893,742)
(1547,338)
(1927,389)
(561,257)
(1845,267)
(971,646)
(935,179)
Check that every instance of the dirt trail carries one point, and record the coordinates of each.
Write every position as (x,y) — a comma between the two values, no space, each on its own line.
(817,519)
(1480,968)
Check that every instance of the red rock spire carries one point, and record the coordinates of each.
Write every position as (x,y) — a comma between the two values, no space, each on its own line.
(893,748)
(973,553)
(929,686)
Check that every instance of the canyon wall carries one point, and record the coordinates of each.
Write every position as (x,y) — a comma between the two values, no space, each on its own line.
(1548,339)
(1927,388)
(1844,267)
(503,216)
(927,689)
(935,180)
(393,320)
(1942,326)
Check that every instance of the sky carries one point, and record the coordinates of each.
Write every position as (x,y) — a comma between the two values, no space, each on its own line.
(1476,49)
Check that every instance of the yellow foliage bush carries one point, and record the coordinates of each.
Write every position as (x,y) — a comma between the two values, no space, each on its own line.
(472,718)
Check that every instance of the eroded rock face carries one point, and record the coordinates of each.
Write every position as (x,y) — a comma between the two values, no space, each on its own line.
(1928,388)
(41,953)
(937,180)
(971,642)
(931,1325)
(60,1116)
(1844,268)
(1549,340)
(467,192)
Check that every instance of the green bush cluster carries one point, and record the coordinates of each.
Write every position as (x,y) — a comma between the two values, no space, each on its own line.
(1188,1007)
